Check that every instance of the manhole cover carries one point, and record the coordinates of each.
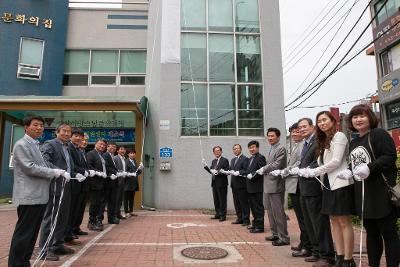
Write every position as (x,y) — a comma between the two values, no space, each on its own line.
(204,253)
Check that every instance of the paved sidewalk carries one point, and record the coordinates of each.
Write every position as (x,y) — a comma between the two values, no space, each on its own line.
(156,239)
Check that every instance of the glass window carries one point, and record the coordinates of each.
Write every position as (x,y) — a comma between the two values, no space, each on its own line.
(220,15)
(386,63)
(193,57)
(248,57)
(193,15)
(31,52)
(76,61)
(247,16)
(132,80)
(103,80)
(133,62)
(391,7)
(395,57)
(222,110)
(221,59)
(393,115)
(191,122)
(250,110)
(104,61)
(75,79)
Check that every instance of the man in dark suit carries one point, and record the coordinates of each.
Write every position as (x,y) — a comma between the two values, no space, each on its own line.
(109,198)
(131,183)
(255,187)
(123,167)
(219,182)
(80,166)
(97,163)
(56,154)
(238,168)
(317,225)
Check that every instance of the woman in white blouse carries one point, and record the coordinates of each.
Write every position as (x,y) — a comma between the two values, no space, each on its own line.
(337,194)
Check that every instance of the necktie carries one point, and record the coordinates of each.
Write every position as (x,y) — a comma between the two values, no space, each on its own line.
(66,155)
(304,150)
(251,160)
(236,160)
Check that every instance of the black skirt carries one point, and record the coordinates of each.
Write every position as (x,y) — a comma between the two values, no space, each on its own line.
(339,202)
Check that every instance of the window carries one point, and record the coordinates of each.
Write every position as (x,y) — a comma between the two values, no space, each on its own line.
(221,56)
(30,59)
(391,7)
(104,67)
(393,115)
(390,60)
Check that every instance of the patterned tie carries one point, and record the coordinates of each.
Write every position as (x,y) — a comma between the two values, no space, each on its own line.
(304,150)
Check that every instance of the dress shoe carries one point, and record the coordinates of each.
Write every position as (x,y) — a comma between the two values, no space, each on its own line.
(121,217)
(301,253)
(311,258)
(223,218)
(133,214)
(237,222)
(339,261)
(63,250)
(349,263)
(80,232)
(257,230)
(250,227)
(113,221)
(272,238)
(100,225)
(245,223)
(296,248)
(215,217)
(322,263)
(75,237)
(279,243)
(49,256)
(73,242)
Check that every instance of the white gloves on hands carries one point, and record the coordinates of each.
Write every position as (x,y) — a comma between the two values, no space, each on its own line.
(275,172)
(67,176)
(304,173)
(224,172)
(294,171)
(204,162)
(104,175)
(260,171)
(124,174)
(113,176)
(213,171)
(92,173)
(141,167)
(344,174)
(120,174)
(80,177)
(235,173)
(131,174)
(361,172)
(58,173)
(86,174)
(285,172)
(249,176)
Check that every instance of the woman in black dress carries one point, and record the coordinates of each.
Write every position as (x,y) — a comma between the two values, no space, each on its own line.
(372,155)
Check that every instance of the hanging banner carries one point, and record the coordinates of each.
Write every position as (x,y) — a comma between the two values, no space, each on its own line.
(170,31)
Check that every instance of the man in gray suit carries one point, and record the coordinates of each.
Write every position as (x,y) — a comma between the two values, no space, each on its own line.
(57,156)
(123,167)
(30,192)
(274,188)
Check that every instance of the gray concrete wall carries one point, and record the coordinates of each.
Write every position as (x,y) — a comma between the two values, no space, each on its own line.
(187,185)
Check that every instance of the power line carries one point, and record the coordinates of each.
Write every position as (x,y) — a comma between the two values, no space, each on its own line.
(336,104)
(308,89)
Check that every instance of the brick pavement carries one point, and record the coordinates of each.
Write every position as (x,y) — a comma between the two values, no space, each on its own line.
(151,239)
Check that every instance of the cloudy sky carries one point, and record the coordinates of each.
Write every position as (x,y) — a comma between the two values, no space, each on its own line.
(355,81)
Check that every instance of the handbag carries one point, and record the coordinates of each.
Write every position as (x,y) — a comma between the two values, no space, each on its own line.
(394,192)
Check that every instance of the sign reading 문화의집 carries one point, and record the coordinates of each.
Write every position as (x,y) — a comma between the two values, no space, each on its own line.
(8,17)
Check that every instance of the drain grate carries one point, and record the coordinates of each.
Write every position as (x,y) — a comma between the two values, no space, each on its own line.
(204,253)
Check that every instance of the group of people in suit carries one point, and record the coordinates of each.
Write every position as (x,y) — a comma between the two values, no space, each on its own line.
(327,178)
(53,182)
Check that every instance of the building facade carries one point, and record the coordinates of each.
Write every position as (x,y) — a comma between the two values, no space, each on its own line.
(210,69)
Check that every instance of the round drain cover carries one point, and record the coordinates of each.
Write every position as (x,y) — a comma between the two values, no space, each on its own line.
(204,253)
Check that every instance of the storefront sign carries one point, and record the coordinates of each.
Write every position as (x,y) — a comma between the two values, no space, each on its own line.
(52,122)
(389,37)
(389,84)
(114,135)
(22,18)
(393,115)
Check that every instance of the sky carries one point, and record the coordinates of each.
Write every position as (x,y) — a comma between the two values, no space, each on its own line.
(354,81)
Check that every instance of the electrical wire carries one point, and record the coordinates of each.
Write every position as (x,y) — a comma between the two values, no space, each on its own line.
(336,104)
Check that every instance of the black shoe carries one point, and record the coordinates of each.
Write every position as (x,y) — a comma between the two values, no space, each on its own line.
(279,243)
(99,225)
(272,238)
(113,221)
(215,217)
(237,222)
(349,263)
(63,250)
(301,253)
(80,232)
(121,217)
(250,227)
(245,223)
(75,237)
(296,248)
(339,261)
(311,258)
(223,218)
(323,263)
(257,230)
(50,256)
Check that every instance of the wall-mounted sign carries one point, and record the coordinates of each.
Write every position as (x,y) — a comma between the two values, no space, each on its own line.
(389,84)
(113,135)
(166,152)
(93,123)
(164,124)
(22,18)
(390,36)
(393,115)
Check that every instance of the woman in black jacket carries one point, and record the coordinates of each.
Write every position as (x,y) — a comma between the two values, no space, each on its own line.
(373,155)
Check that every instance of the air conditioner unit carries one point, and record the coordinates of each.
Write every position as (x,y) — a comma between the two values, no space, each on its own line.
(28,72)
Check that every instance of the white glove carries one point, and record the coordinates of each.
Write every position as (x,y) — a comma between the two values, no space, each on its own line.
(92,173)
(260,171)
(285,172)
(141,167)
(99,173)
(294,171)
(249,176)
(224,172)
(304,173)
(119,174)
(312,172)
(361,172)
(131,174)
(113,176)
(124,174)
(204,162)
(58,173)
(104,175)
(235,173)
(80,177)
(67,176)
(86,174)
(345,174)
(213,172)
(275,172)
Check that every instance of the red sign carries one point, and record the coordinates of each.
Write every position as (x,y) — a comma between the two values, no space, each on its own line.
(389,37)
